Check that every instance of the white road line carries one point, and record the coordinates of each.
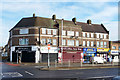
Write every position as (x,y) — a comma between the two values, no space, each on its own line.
(29,73)
(101,77)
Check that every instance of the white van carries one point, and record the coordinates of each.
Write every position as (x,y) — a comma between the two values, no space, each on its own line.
(99,60)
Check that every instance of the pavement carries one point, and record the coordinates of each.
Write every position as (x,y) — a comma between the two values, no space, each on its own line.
(43,66)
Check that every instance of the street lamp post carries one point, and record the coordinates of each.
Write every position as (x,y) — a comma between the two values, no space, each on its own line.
(48,56)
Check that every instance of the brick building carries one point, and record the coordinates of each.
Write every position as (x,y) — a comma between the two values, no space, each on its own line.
(115,50)
(68,39)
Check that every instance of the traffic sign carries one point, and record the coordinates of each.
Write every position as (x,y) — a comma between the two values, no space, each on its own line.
(48,46)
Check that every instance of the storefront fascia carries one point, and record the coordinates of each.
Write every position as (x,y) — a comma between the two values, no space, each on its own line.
(88,53)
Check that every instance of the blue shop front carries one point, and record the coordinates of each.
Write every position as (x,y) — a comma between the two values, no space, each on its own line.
(89,53)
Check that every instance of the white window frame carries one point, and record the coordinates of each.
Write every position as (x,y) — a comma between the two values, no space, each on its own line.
(97,35)
(43,41)
(88,35)
(63,42)
(84,43)
(88,43)
(48,31)
(26,41)
(77,42)
(92,35)
(113,47)
(54,31)
(24,31)
(43,30)
(70,42)
(84,34)
(98,43)
(105,44)
(105,36)
(101,35)
(54,41)
(70,33)
(92,43)
(101,43)
(63,32)
(77,33)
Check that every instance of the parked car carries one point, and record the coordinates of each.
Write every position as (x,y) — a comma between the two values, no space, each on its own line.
(99,60)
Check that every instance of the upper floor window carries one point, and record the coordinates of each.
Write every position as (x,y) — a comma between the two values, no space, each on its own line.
(77,42)
(43,41)
(98,43)
(105,44)
(70,42)
(23,31)
(54,32)
(23,41)
(105,36)
(101,36)
(54,41)
(92,35)
(48,31)
(63,32)
(70,33)
(43,31)
(84,43)
(97,35)
(64,42)
(49,41)
(88,35)
(92,43)
(119,47)
(83,34)
(113,47)
(77,33)
(102,44)
(88,43)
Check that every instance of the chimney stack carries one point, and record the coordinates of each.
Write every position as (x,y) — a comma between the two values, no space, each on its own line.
(54,17)
(74,20)
(33,14)
(89,21)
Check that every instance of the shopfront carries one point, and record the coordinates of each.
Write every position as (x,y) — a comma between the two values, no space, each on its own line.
(73,54)
(103,52)
(88,54)
(115,55)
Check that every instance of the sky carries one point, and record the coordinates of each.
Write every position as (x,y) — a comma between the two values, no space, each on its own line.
(103,11)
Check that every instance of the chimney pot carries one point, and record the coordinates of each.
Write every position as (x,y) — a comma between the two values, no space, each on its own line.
(54,17)
(33,14)
(74,20)
(89,21)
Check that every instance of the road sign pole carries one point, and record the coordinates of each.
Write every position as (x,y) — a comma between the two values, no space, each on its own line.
(48,59)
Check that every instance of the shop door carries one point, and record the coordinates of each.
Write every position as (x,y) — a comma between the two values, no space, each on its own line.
(53,57)
(28,56)
(14,56)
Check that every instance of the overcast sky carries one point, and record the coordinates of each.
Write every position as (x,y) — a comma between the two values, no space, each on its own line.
(104,11)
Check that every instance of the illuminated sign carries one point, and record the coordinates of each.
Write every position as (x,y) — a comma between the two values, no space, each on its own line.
(102,49)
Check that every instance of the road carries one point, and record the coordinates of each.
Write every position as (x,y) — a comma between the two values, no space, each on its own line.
(14,71)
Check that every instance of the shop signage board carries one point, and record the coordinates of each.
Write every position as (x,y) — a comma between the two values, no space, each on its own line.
(102,49)
(115,52)
(71,49)
(23,48)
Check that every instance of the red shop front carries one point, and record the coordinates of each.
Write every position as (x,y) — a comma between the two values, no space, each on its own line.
(72,54)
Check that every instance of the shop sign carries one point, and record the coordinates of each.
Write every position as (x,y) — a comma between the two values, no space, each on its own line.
(71,49)
(90,49)
(23,48)
(115,52)
(102,49)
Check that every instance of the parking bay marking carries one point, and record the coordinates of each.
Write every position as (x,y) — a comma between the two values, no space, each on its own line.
(29,73)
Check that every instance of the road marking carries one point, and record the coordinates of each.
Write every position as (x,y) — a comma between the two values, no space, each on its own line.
(101,77)
(29,73)
(11,74)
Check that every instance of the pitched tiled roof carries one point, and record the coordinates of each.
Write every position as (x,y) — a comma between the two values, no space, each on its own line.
(48,22)
(98,28)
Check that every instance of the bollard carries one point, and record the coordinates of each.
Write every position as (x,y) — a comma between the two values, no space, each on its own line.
(81,63)
(55,63)
(69,63)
